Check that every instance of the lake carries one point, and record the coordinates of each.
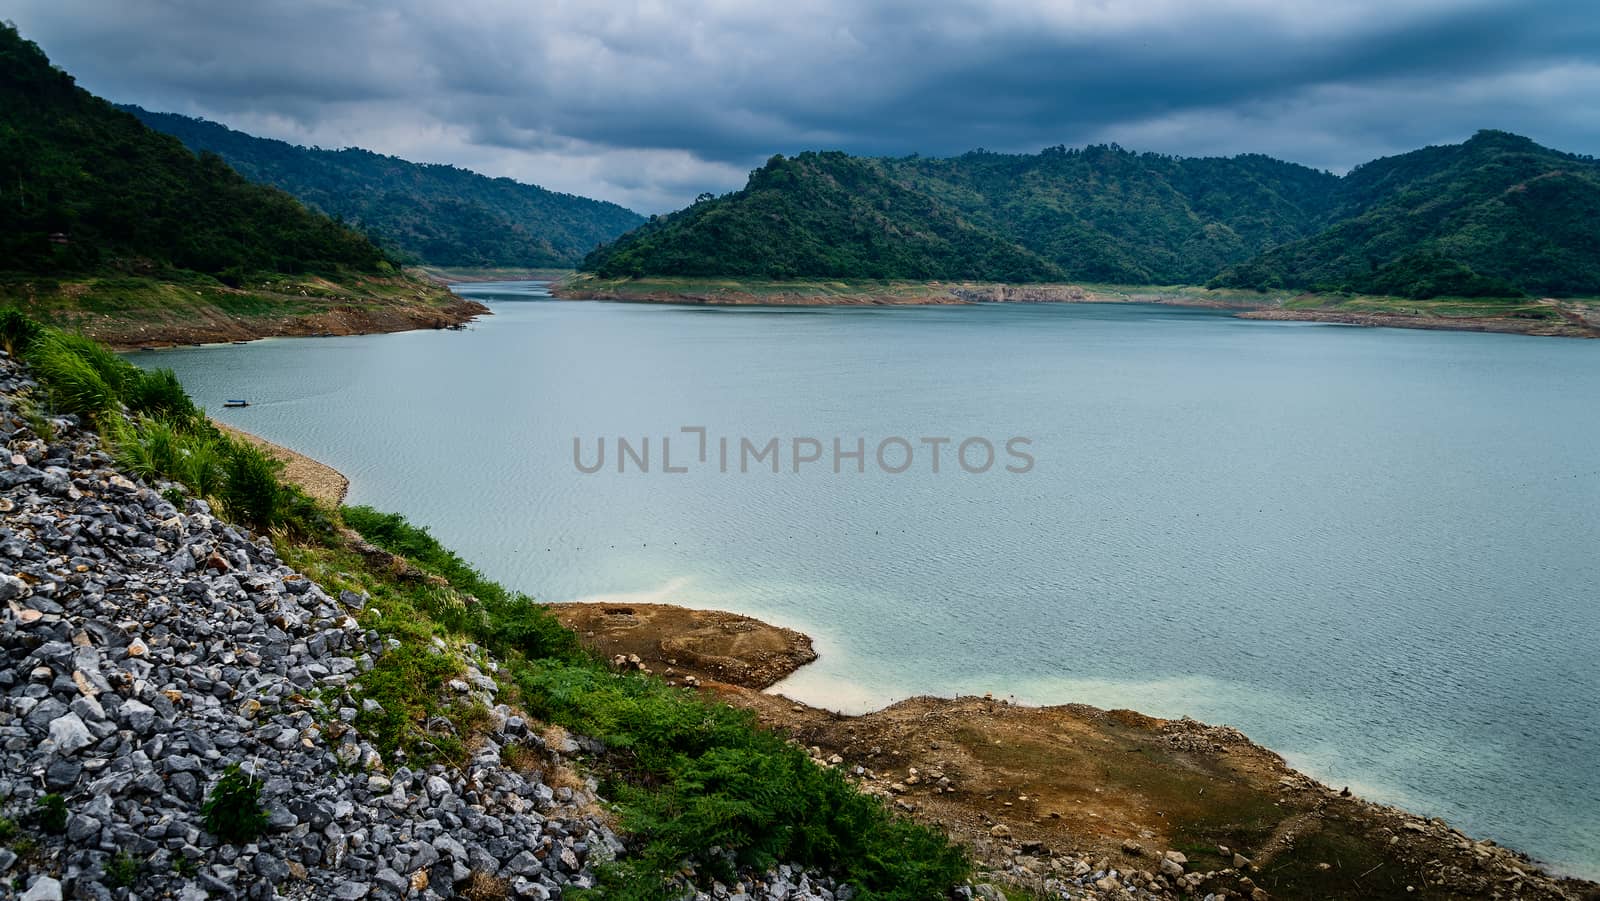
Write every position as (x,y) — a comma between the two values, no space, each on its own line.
(1373,550)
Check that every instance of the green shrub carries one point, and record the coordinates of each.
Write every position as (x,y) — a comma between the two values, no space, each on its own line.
(232,812)
(500,620)
(702,775)
(251,492)
(51,811)
(158,393)
(122,870)
(17,332)
(71,382)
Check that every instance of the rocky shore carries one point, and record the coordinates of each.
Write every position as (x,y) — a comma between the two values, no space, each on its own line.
(148,649)
(1077,802)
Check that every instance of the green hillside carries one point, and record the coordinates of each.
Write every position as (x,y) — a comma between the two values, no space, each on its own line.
(1100,214)
(822,214)
(85,187)
(431,214)
(1498,216)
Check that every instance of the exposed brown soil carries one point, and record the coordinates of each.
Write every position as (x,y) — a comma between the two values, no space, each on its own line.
(1032,790)
(1576,321)
(774,299)
(392,305)
(708,644)
(335,320)
(1571,325)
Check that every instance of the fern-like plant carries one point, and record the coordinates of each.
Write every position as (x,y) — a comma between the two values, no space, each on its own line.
(232,812)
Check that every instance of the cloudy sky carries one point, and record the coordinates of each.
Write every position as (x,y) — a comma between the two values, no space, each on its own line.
(648,104)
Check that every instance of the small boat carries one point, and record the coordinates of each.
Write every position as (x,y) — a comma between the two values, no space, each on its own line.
(241,342)
(236,403)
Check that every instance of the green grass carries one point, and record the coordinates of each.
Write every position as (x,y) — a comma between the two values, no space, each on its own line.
(233,811)
(122,870)
(686,775)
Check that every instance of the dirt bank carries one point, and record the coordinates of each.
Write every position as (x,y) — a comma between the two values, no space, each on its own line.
(133,313)
(1035,790)
(1571,325)
(209,328)
(1549,317)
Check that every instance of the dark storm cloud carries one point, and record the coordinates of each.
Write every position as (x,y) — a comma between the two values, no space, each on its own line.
(649,103)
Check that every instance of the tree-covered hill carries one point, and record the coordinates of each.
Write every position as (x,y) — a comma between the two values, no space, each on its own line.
(438,215)
(87,188)
(823,214)
(1498,216)
(1109,215)
(1099,214)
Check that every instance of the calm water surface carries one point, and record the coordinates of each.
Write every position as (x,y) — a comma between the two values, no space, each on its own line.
(1372,550)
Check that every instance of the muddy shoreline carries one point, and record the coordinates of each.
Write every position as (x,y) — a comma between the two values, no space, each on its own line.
(1570,323)
(1040,792)
(337,320)
(1029,788)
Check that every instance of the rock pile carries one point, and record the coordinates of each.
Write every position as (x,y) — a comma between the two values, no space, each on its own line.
(144,649)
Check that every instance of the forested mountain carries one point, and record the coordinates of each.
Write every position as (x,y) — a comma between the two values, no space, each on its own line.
(85,188)
(1496,216)
(1099,214)
(425,213)
(822,214)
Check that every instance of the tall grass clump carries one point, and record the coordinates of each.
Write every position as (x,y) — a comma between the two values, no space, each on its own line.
(17,332)
(154,448)
(159,393)
(72,383)
(251,490)
(118,373)
(147,448)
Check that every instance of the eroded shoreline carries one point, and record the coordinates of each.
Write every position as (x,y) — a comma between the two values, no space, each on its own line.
(1548,317)
(1039,792)
(1024,787)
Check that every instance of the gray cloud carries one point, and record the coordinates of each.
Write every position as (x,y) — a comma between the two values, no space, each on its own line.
(649,103)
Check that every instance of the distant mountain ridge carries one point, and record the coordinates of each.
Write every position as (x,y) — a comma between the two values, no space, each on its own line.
(87,188)
(421,212)
(1496,216)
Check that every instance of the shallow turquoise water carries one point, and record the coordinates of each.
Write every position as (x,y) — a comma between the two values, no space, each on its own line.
(1372,550)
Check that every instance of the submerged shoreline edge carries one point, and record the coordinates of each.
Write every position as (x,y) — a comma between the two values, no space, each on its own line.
(736,659)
